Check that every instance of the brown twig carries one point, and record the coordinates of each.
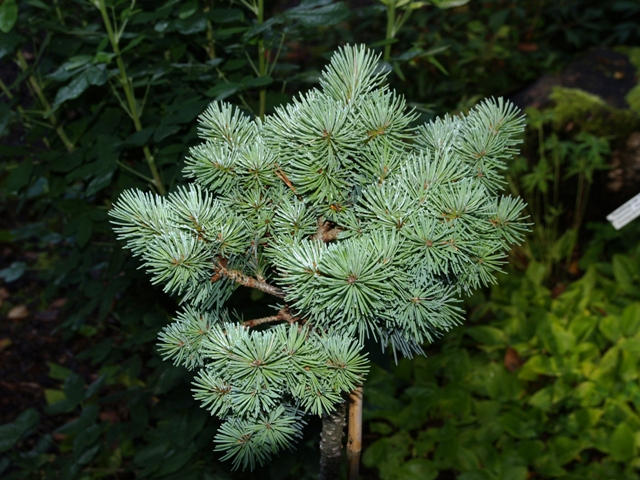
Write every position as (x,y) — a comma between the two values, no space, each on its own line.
(282,315)
(354,439)
(325,231)
(245,280)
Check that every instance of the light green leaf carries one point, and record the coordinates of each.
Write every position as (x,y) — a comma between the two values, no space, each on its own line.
(630,320)
(8,15)
(622,443)
(443,4)
(487,335)
(58,372)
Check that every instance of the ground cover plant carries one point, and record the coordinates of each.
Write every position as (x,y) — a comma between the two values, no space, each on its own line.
(540,384)
(361,224)
(84,351)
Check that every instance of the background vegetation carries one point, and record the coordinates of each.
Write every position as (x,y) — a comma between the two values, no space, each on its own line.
(99,96)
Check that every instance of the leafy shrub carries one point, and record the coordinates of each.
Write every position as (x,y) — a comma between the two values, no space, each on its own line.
(540,384)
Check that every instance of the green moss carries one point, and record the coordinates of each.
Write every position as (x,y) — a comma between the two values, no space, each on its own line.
(591,113)
(633,53)
(633,98)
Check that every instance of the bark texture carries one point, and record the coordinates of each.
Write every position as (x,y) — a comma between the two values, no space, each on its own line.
(354,439)
(331,443)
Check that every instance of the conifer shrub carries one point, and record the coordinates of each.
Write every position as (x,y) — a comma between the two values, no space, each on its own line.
(358,223)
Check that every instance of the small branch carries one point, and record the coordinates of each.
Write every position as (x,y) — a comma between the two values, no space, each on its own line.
(247,281)
(331,443)
(354,439)
(282,315)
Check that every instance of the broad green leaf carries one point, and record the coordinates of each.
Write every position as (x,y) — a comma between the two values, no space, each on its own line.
(443,4)
(132,44)
(54,396)
(565,449)
(588,394)
(487,335)
(324,16)
(98,183)
(536,272)
(187,9)
(7,117)
(542,399)
(88,416)
(74,388)
(630,320)
(621,270)
(628,369)
(258,81)
(13,272)
(519,424)
(8,15)
(88,455)
(93,75)
(226,15)
(8,42)
(19,177)
(70,68)
(223,90)
(417,469)
(609,326)
(85,438)
(191,25)
(622,443)
(11,433)
(82,229)
(58,372)
(631,345)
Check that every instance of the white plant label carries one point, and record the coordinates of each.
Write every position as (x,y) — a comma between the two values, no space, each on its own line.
(626,213)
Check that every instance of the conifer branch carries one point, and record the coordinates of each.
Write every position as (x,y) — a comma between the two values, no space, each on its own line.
(245,280)
(425,223)
(282,315)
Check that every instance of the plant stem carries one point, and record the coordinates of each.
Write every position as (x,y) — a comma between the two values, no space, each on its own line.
(331,443)
(238,277)
(262,68)
(39,93)
(211,43)
(354,438)
(391,21)
(283,314)
(127,86)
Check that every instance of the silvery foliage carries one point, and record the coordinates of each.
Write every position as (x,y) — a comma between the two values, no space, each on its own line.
(369,226)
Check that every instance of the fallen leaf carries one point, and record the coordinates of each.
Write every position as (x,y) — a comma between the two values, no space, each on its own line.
(528,47)
(512,360)
(110,416)
(59,303)
(574,268)
(18,313)
(4,343)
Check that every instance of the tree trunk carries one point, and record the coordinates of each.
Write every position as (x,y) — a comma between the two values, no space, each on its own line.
(354,438)
(331,443)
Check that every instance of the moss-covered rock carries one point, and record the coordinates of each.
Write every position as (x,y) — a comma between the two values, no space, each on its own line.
(576,108)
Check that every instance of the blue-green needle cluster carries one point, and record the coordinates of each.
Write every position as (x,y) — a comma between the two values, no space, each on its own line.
(360,223)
